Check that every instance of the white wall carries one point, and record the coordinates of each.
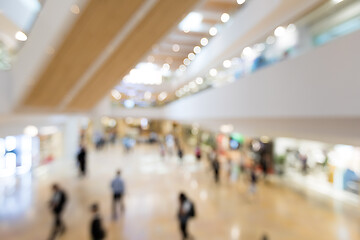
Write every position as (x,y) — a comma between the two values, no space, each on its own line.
(323,82)
(14,124)
(104,108)
(315,95)
(5,92)
(49,30)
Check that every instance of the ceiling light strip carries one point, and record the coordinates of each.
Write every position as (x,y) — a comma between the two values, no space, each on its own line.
(119,38)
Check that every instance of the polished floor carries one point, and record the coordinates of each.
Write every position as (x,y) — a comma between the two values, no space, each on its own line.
(226,211)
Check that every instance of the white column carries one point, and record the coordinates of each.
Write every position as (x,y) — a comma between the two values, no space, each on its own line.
(71,137)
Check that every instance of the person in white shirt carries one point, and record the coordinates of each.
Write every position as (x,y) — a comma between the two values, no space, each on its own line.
(118,190)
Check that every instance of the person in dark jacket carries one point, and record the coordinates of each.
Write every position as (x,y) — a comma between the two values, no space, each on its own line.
(186,211)
(253,180)
(57,205)
(265,237)
(216,169)
(81,157)
(96,228)
(180,153)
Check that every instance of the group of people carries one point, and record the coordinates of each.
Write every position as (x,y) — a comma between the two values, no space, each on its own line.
(97,231)
(166,149)
(186,209)
(233,169)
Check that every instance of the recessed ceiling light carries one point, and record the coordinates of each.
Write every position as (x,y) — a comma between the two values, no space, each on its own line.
(166,67)
(225,17)
(186,88)
(204,41)
(116,94)
(199,80)
(197,49)
(213,72)
(226,128)
(227,64)
(176,47)
(31,131)
(270,40)
(192,85)
(182,68)
(279,31)
(186,61)
(259,47)
(20,36)
(75,9)
(191,56)
(213,31)
(192,22)
(240,1)
(147,95)
(337,1)
(129,103)
(291,28)
(162,96)
(247,52)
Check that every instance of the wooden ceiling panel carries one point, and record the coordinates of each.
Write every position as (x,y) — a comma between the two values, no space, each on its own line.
(98,24)
(164,15)
(193,34)
(221,6)
(211,21)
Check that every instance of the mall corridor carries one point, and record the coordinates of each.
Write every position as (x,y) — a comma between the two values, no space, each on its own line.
(224,211)
(263,94)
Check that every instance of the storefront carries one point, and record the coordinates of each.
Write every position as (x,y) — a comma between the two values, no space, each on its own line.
(328,166)
(51,146)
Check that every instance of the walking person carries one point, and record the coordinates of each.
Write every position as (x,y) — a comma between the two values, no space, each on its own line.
(264,163)
(186,212)
(162,151)
(96,227)
(118,189)
(81,157)
(57,205)
(216,169)
(253,181)
(180,153)
(303,159)
(198,153)
(265,237)
(212,155)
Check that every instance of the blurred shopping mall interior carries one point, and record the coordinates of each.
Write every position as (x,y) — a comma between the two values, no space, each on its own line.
(249,107)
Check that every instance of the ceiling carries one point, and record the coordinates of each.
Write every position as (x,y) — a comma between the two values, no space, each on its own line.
(110,37)
(107,40)
(168,55)
(230,41)
(211,11)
